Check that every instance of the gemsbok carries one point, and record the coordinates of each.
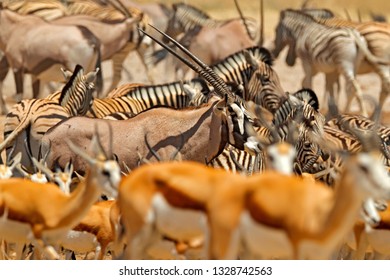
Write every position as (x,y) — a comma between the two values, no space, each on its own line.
(24,41)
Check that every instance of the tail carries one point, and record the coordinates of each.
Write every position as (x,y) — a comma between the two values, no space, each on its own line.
(15,133)
(99,75)
(368,55)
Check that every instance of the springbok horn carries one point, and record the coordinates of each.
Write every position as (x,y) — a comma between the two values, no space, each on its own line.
(82,152)
(16,160)
(10,154)
(43,168)
(203,69)
(243,19)
(98,147)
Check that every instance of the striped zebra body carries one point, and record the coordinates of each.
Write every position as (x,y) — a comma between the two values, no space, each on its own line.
(336,137)
(364,124)
(207,38)
(239,161)
(135,99)
(186,18)
(299,111)
(301,106)
(29,119)
(331,50)
(46,9)
(377,36)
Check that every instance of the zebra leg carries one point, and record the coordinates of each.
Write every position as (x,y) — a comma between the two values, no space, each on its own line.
(141,51)
(385,89)
(332,82)
(307,79)
(354,89)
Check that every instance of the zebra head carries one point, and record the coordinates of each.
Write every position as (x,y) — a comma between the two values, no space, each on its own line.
(283,38)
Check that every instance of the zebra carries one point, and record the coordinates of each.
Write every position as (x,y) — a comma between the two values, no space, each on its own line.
(206,37)
(46,9)
(31,118)
(377,36)
(299,130)
(135,99)
(252,68)
(325,49)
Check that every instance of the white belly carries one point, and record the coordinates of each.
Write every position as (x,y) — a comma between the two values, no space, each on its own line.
(263,241)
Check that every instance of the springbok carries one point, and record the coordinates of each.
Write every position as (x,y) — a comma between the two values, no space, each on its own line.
(247,216)
(46,223)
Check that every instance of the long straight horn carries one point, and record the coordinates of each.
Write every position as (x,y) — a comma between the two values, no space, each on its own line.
(261,39)
(81,152)
(202,69)
(243,19)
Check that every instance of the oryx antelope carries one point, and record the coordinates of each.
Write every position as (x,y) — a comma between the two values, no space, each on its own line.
(24,39)
(207,38)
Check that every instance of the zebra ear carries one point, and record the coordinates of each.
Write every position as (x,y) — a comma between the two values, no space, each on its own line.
(91,76)
(220,106)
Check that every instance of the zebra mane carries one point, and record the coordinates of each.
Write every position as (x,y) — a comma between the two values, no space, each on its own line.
(188,13)
(309,97)
(319,13)
(298,14)
(67,89)
(258,53)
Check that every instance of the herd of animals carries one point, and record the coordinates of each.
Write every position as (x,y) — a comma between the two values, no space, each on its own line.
(221,163)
